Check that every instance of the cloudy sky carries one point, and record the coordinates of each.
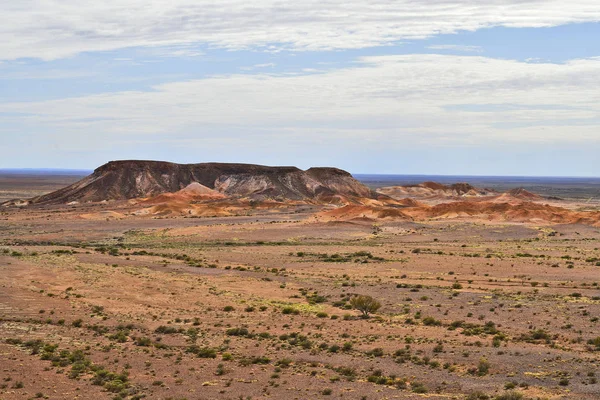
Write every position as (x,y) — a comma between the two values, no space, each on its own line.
(501,87)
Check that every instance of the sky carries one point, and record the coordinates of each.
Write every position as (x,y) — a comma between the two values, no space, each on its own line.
(455,87)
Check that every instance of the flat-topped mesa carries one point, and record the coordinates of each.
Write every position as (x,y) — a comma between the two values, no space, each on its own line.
(166,167)
(121,180)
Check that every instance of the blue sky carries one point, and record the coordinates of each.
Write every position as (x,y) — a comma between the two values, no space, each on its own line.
(446,87)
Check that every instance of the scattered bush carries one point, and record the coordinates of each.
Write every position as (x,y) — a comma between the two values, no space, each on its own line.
(237,332)
(202,352)
(430,321)
(365,304)
(510,396)
(167,330)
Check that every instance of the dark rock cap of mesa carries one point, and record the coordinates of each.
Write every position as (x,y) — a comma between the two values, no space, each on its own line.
(120,180)
(166,167)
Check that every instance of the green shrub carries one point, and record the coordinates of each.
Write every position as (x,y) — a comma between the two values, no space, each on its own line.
(284,362)
(418,387)
(237,332)
(430,321)
(202,352)
(477,396)
(483,368)
(143,341)
(376,352)
(167,330)
(510,396)
(365,304)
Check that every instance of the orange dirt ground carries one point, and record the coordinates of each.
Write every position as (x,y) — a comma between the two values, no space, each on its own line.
(97,301)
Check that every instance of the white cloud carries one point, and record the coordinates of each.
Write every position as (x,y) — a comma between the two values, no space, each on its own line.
(265,65)
(174,51)
(437,99)
(51,29)
(457,47)
(257,66)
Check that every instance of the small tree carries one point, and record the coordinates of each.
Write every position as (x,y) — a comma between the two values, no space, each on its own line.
(365,304)
(484,367)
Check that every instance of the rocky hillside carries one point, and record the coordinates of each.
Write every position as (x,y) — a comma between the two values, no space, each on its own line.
(119,180)
(434,190)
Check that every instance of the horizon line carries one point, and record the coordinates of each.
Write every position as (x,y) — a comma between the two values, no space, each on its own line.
(75,171)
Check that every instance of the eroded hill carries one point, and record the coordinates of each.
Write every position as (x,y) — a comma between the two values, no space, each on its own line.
(435,191)
(121,180)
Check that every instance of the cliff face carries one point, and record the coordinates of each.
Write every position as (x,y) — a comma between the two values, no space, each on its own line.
(119,180)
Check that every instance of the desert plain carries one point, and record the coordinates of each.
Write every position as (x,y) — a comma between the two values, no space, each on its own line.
(99,300)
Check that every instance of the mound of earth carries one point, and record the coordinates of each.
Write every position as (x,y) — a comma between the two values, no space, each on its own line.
(512,210)
(523,211)
(203,210)
(362,212)
(193,192)
(408,202)
(434,190)
(120,180)
(523,194)
(15,203)
(211,208)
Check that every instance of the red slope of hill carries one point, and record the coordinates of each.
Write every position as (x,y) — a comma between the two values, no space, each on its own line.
(192,192)
(523,194)
(358,212)
(515,212)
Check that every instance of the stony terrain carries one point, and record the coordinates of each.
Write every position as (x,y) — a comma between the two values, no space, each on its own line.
(98,300)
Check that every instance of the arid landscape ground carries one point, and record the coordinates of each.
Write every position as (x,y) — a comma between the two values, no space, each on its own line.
(174,298)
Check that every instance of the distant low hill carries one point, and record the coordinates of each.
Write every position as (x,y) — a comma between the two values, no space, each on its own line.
(434,190)
(121,180)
